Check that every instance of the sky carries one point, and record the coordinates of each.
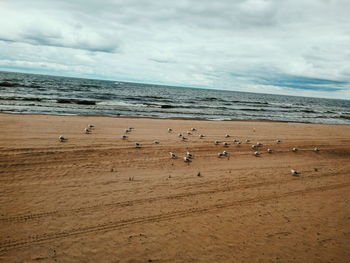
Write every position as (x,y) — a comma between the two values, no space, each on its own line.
(290,47)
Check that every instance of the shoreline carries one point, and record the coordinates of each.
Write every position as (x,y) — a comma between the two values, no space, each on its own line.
(169,118)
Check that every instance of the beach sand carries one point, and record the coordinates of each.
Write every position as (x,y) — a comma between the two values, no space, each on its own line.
(96,198)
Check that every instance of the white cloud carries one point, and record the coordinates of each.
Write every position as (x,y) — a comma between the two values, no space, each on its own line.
(215,44)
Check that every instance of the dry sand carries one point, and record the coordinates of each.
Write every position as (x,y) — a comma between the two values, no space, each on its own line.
(73,201)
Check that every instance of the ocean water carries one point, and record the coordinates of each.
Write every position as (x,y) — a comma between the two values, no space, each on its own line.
(29,93)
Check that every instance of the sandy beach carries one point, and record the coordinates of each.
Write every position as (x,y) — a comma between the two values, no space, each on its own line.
(97,198)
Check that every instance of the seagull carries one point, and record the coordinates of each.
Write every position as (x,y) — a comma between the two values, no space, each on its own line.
(187,160)
(254,146)
(238,142)
(216,142)
(131,128)
(227,135)
(278,141)
(235,140)
(295,149)
(179,135)
(193,129)
(259,144)
(124,137)
(90,126)
(294,172)
(87,130)
(189,155)
(220,155)
(137,145)
(62,138)
(156,142)
(269,150)
(257,154)
(226,144)
(201,136)
(316,149)
(189,133)
(247,141)
(127,130)
(173,155)
(225,153)
(184,138)
(170,129)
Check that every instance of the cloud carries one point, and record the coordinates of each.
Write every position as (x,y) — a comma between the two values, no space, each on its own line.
(245,45)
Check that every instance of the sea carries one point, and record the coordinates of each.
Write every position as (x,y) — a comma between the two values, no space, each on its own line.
(43,94)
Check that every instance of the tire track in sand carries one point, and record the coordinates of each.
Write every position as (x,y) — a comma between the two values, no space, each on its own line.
(11,244)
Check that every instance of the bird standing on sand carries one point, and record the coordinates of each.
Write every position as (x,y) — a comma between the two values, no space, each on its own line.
(62,138)
(216,142)
(189,155)
(238,142)
(170,129)
(256,154)
(124,137)
(247,141)
(90,126)
(138,145)
(127,130)
(269,150)
(226,144)
(201,136)
(295,150)
(179,135)
(278,141)
(294,172)
(193,129)
(87,131)
(227,135)
(156,142)
(187,160)
(173,155)
(316,149)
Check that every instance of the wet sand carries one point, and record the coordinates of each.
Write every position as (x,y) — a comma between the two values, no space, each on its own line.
(96,198)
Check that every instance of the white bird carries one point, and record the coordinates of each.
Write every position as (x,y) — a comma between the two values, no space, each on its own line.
(189,133)
(269,150)
(295,149)
(179,135)
(170,129)
(316,149)
(294,172)
(187,160)
(173,155)
(227,135)
(62,138)
(216,142)
(189,155)
(257,154)
(131,128)
(124,137)
(127,130)
(247,141)
(90,126)
(138,145)
(193,129)
(201,136)
(184,138)
(220,155)
(278,141)
(235,140)
(259,144)
(156,142)
(225,153)
(87,130)
(254,146)
(238,142)
(226,144)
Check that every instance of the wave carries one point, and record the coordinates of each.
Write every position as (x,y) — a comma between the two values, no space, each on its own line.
(76,101)
(8,84)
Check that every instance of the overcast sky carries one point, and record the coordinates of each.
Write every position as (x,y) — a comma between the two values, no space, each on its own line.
(297,47)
